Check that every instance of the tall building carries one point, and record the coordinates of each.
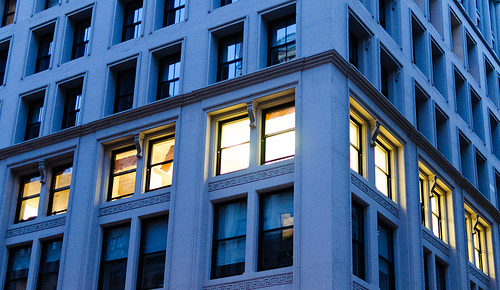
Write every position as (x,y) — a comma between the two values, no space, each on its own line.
(224,144)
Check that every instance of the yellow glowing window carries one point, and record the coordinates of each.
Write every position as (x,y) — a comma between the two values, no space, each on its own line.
(59,193)
(234,145)
(279,133)
(28,199)
(382,169)
(160,163)
(436,215)
(478,252)
(355,151)
(122,181)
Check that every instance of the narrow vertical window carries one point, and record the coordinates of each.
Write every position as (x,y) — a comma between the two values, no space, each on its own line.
(50,3)
(3,65)
(228,253)
(114,258)
(437,227)
(122,179)
(59,192)
(72,107)
(8,12)
(382,16)
(49,265)
(282,35)
(234,145)
(440,276)
(174,12)
(358,240)
(44,52)
(81,39)
(356,149)
(160,165)
(278,140)
(421,184)
(124,95)
(478,250)
(426,271)
(383,170)
(152,255)
(168,78)
(34,119)
(17,269)
(230,57)
(29,196)
(353,50)
(132,20)
(385,257)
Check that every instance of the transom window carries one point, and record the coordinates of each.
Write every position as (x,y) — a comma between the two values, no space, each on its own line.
(282,40)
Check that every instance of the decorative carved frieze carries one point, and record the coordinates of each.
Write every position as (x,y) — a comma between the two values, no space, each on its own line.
(435,242)
(258,283)
(134,204)
(475,272)
(36,227)
(375,195)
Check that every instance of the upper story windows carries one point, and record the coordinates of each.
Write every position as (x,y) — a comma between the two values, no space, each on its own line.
(29,197)
(39,57)
(168,76)
(34,120)
(278,137)
(282,46)
(356,149)
(234,145)
(124,94)
(81,39)
(227,2)
(132,20)
(44,52)
(3,64)
(72,103)
(59,191)
(174,12)
(8,12)
(230,57)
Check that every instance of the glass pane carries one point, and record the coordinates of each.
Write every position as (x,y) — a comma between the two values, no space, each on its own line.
(354,134)
(235,158)
(277,249)
(280,146)
(232,220)
(117,243)
(160,176)
(434,205)
(231,252)
(29,208)
(277,211)
(63,178)
(280,120)
(235,132)
(354,159)
(153,271)
(48,281)
(155,235)
(163,151)
(435,226)
(381,181)
(384,275)
(384,242)
(31,186)
(125,161)
(123,185)
(113,275)
(60,201)
(381,158)
(20,262)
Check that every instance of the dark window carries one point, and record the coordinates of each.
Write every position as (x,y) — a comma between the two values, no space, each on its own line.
(132,20)
(8,12)
(233,149)
(358,240)
(124,95)
(160,164)
(282,40)
(44,52)
(72,107)
(384,81)
(440,276)
(385,257)
(353,49)
(3,64)
(59,192)
(34,119)
(152,256)
(50,3)
(228,252)
(382,17)
(29,196)
(356,153)
(230,57)
(426,271)
(168,78)
(278,133)
(276,230)
(114,258)
(174,12)
(49,265)
(122,177)
(226,2)
(17,270)
(81,39)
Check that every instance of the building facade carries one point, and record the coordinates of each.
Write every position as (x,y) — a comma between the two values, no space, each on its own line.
(223,144)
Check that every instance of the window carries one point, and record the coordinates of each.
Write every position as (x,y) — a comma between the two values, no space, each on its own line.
(124,94)
(174,12)
(456,37)
(8,12)
(132,22)
(228,253)
(160,164)
(278,138)
(44,52)
(168,76)
(49,264)
(282,40)
(442,132)
(432,202)
(81,38)
(114,258)
(438,68)
(359,44)
(383,169)
(491,81)
(230,57)
(389,75)
(495,135)
(358,240)
(122,177)
(233,152)
(482,182)
(423,110)
(477,114)
(419,45)
(226,2)
(17,270)
(72,107)
(426,270)
(385,257)
(3,64)
(472,57)
(276,230)
(466,157)
(440,276)
(28,200)
(59,193)
(50,3)
(152,254)
(34,120)
(477,231)
(356,148)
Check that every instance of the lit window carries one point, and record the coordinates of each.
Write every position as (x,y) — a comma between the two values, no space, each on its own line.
(437,227)
(114,258)
(132,20)
(168,78)
(8,12)
(122,179)
(282,40)
(174,12)
(44,52)
(50,3)
(34,121)
(382,169)
(276,230)
(152,255)
(356,149)
(279,133)
(72,107)
(230,57)
(234,145)
(17,270)
(228,254)
(59,193)
(160,165)
(124,94)
(29,197)
(385,257)
(81,39)
(477,231)
(49,264)
(358,240)
(432,203)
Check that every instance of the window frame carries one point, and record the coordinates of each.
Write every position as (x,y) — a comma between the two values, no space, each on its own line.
(272,25)
(54,190)
(128,23)
(77,42)
(232,39)
(265,136)
(20,198)
(170,9)
(219,142)
(41,272)
(149,164)
(112,175)
(172,59)
(45,41)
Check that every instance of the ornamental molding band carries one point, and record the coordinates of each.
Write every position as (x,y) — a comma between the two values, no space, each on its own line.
(374,195)
(252,177)
(474,272)
(258,283)
(36,227)
(356,286)
(435,242)
(134,204)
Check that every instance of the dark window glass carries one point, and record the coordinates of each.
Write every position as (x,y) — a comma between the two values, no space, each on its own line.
(384,81)
(44,52)
(124,95)
(114,258)
(278,133)
(385,257)
(226,2)
(168,77)
(59,192)
(426,271)
(122,177)
(29,196)
(50,3)
(34,121)
(282,40)
(81,39)
(152,256)
(160,165)
(358,240)
(174,12)
(8,12)
(382,6)
(440,276)
(3,64)
(276,230)
(49,265)
(132,20)
(17,270)
(72,107)
(228,253)
(230,57)
(353,49)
